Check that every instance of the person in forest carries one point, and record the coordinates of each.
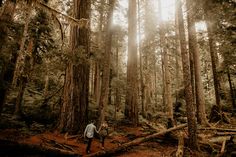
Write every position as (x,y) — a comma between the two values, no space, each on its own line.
(89,134)
(103,131)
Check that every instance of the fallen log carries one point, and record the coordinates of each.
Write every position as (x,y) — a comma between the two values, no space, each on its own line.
(134,142)
(14,148)
(218,129)
(153,126)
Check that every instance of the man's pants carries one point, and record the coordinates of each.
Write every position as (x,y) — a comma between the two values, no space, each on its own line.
(89,144)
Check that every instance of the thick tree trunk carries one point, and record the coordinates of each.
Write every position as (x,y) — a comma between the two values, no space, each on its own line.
(192,125)
(106,64)
(74,111)
(97,80)
(193,49)
(131,108)
(7,60)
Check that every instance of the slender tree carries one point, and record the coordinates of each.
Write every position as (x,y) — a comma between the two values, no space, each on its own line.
(192,125)
(167,82)
(193,49)
(212,48)
(131,108)
(74,110)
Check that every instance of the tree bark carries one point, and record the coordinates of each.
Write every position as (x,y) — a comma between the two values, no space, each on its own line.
(74,110)
(193,49)
(106,64)
(131,108)
(192,125)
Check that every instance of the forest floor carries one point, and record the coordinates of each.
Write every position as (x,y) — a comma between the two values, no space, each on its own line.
(158,147)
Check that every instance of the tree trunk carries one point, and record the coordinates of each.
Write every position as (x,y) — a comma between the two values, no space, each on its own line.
(193,49)
(46,85)
(131,108)
(192,125)
(7,59)
(210,24)
(97,80)
(21,55)
(140,64)
(74,110)
(232,93)
(23,77)
(177,58)
(163,44)
(118,97)
(106,64)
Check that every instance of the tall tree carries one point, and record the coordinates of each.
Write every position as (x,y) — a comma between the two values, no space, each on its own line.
(212,48)
(167,82)
(74,110)
(192,125)
(7,59)
(131,108)
(97,77)
(194,50)
(106,63)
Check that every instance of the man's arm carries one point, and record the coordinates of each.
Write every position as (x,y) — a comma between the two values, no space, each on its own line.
(85,131)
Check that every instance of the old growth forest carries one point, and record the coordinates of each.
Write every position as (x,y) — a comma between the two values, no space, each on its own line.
(160,73)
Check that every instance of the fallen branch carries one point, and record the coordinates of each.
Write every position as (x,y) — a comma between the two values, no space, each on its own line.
(223,147)
(225,133)
(135,142)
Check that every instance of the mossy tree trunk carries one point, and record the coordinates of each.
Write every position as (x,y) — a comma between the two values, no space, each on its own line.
(74,110)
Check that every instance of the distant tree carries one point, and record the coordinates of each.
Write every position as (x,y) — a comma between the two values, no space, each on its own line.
(190,109)
(131,106)
(74,110)
(212,48)
(167,82)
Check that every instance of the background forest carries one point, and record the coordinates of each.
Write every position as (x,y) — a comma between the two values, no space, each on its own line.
(66,62)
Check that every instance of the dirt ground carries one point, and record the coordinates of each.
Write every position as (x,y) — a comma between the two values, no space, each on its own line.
(160,147)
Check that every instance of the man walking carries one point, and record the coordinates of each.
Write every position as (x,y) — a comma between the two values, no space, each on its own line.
(89,134)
